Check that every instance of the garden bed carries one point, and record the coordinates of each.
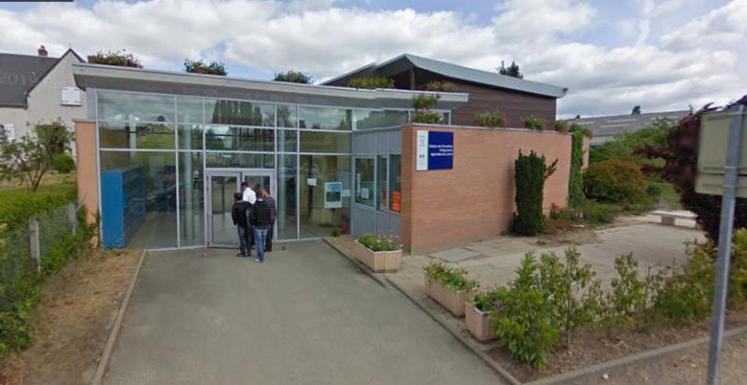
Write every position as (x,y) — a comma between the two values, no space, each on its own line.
(590,348)
(72,321)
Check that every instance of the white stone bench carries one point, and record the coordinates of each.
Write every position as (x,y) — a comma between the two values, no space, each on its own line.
(668,217)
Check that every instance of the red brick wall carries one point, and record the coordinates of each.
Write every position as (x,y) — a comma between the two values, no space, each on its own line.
(475,199)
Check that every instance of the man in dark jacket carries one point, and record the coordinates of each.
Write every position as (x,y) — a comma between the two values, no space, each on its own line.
(240,215)
(261,220)
(265,192)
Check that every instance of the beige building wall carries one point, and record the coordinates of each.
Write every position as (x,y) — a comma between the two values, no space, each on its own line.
(44,103)
(475,199)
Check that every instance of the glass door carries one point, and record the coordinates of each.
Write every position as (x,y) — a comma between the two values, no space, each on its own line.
(221,185)
(220,229)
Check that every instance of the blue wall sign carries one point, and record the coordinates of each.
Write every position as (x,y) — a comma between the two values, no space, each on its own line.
(435,150)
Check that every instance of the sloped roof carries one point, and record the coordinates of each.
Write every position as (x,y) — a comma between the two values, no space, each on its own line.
(19,74)
(462,73)
(606,127)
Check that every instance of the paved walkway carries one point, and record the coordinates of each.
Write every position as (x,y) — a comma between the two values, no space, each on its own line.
(306,316)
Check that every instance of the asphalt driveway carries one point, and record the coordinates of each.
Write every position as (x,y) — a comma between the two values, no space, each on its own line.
(306,316)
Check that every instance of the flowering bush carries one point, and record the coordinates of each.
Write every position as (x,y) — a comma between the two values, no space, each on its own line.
(371,83)
(115,58)
(489,119)
(199,67)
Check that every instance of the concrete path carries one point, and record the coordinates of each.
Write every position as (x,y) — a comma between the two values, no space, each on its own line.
(306,316)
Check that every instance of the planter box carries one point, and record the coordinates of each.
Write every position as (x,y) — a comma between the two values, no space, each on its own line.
(378,261)
(478,324)
(452,301)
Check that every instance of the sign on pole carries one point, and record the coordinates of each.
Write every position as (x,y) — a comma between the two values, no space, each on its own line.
(721,133)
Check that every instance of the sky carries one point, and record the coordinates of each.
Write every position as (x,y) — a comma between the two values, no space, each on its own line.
(612,55)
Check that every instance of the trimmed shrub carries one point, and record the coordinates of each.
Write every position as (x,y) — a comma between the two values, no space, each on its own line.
(63,163)
(530,172)
(615,181)
(533,123)
(489,119)
(575,181)
(17,207)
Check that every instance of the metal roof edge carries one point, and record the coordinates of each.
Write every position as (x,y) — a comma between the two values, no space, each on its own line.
(126,73)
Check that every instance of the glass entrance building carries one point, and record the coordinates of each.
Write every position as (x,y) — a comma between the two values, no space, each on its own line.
(172,148)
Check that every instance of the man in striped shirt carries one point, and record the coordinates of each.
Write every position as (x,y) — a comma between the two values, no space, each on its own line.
(265,193)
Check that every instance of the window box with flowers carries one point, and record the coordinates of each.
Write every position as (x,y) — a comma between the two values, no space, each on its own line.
(449,286)
(378,253)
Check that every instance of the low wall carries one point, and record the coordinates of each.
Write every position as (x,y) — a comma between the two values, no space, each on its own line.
(475,199)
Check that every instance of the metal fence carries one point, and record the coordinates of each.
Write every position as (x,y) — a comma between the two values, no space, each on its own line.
(25,246)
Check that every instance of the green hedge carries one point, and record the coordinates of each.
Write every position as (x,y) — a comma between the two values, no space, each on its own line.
(529,177)
(615,181)
(576,181)
(17,206)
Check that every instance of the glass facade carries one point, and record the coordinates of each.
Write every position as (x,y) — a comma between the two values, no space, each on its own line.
(162,147)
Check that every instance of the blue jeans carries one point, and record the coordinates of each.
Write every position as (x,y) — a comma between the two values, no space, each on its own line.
(260,235)
(245,240)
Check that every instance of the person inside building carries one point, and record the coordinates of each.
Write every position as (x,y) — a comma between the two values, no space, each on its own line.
(261,220)
(240,214)
(265,192)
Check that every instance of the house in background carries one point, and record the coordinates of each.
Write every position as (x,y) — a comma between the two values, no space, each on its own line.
(515,98)
(37,89)
(605,128)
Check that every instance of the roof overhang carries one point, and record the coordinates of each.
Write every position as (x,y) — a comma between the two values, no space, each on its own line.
(170,82)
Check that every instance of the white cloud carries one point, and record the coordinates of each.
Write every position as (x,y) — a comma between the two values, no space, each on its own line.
(669,70)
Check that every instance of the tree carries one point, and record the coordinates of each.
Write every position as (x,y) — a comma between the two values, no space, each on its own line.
(512,70)
(680,155)
(29,158)
(636,110)
(293,77)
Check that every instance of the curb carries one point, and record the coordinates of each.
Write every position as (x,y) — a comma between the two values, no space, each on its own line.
(362,266)
(505,375)
(583,373)
(576,375)
(104,361)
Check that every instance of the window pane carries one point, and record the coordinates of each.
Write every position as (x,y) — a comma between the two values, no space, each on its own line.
(114,134)
(324,118)
(395,198)
(364,181)
(239,160)
(381,174)
(365,119)
(135,107)
(324,142)
(189,109)
(286,199)
(191,199)
(190,136)
(139,199)
(239,138)
(287,140)
(287,115)
(321,213)
(240,112)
